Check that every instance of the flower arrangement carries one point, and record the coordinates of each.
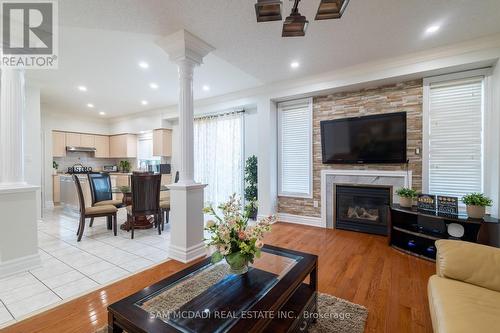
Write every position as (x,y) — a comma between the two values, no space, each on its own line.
(233,238)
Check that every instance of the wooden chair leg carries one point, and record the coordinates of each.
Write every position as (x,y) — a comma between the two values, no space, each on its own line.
(115,224)
(132,226)
(91,222)
(159,217)
(81,228)
(109,222)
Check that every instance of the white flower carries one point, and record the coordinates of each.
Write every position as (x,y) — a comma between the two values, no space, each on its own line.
(210,224)
(259,244)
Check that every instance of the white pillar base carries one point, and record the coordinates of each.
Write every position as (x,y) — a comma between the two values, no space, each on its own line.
(19,230)
(186,228)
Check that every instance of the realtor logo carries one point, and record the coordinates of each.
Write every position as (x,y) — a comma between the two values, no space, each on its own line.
(29,33)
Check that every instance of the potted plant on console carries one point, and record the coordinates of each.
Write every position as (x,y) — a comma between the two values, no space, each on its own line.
(125,166)
(476,204)
(406,196)
(233,237)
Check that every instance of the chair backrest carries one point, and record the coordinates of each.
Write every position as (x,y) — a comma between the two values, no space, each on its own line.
(100,187)
(145,194)
(176,177)
(81,198)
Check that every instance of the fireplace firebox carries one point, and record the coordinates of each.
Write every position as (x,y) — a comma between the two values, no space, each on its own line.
(362,208)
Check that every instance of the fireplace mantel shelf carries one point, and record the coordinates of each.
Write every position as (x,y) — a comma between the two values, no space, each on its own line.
(329,178)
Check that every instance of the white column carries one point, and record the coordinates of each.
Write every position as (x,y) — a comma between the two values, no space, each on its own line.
(186,119)
(19,237)
(12,107)
(186,196)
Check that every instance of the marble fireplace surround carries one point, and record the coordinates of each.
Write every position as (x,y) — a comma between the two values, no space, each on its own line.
(331,178)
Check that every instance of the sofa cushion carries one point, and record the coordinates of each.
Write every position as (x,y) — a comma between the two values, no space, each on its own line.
(469,262)
(458,307)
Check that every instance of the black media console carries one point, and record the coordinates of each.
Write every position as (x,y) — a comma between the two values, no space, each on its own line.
(415,232)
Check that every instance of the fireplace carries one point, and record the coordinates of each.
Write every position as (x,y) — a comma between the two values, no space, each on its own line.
(362,208)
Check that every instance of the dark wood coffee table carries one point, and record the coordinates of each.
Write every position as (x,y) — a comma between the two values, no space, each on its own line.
(278,294)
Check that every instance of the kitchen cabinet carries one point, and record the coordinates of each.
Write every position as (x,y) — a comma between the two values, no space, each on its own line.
(87,141)
(101,146)
(58,144)
(123,146)
(56,189)
(162,142)
(73,139)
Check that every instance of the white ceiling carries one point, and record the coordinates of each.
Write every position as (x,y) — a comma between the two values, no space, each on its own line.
(101,42)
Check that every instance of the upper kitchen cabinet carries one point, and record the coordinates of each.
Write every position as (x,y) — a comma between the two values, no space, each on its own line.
(123,146)
(58,144)
(162,142)
(101,146)
(73,139)
(87,141)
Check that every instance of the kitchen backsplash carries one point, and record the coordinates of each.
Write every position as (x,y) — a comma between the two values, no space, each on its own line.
(87,160)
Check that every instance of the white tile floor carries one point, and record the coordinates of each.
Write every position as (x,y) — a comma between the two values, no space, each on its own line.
(70,268)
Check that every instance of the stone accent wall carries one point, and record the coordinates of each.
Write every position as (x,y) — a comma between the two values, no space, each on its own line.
(405,96)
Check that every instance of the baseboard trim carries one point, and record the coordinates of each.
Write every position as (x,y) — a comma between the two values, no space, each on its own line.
(303,220)
(18,265)
(184,255)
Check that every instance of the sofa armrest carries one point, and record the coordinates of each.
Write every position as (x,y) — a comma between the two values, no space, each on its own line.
(468,262)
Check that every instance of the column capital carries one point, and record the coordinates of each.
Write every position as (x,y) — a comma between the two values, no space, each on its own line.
(183,45)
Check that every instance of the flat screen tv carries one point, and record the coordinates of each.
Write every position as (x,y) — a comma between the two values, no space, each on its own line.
(370,139)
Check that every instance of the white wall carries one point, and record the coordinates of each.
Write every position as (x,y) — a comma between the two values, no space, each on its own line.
(33,143)
(57,120)
(251,132)
(495,140)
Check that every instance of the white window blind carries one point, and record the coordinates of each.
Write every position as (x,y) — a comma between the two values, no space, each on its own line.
(456,137)
(295,148)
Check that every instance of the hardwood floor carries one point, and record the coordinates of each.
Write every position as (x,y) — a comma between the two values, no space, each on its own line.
(358,267)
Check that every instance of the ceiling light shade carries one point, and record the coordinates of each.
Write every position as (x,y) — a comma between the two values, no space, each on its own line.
(295,25)
(331,9)
(268,10)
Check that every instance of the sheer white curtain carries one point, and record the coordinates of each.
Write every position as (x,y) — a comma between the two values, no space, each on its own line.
(218,154)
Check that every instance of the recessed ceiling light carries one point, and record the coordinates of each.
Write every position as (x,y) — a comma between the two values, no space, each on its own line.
(144,102)
(432,29)
(82,88)
(153,85)
(90,105)
(206,88)
(102,113)
(143,64)
(294,64)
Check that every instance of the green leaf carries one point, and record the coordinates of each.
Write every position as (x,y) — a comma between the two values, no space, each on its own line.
(216,257)
(236,259)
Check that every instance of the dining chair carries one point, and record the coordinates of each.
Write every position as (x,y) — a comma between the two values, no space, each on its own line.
(108,211)
(145,198)
(165,205)
(101,194)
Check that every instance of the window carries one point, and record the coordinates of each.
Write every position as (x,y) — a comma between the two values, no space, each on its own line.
(295,148)
(455,140)
(218,156)
(145,151)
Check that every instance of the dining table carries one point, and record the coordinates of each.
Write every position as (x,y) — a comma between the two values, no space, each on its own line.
(140,221)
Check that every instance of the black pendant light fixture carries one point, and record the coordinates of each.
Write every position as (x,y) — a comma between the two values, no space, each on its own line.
(268,10)
(295,25)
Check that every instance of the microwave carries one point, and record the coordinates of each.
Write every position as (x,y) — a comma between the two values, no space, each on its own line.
(110,168)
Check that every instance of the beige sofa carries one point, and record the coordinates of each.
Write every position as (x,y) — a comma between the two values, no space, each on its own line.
(464,295)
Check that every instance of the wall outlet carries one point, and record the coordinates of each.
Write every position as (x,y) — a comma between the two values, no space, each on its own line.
(316,203)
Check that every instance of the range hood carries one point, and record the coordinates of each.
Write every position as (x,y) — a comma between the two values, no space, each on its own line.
(82,149)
